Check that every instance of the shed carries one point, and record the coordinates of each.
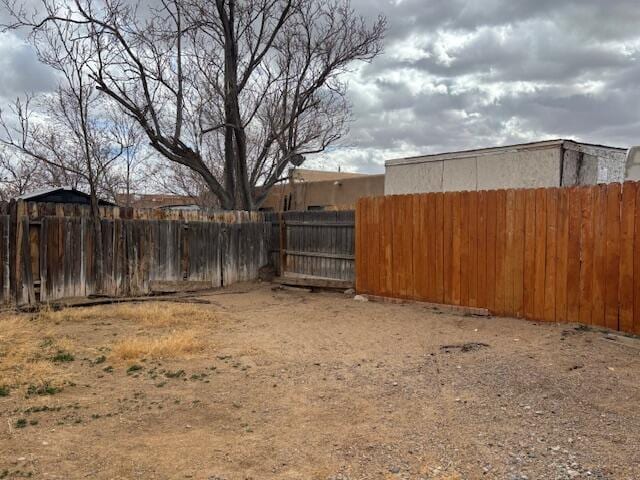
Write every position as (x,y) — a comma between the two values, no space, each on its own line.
(62,195)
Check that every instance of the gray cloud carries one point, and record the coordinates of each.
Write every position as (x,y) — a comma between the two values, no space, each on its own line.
(20,70)
(460,74)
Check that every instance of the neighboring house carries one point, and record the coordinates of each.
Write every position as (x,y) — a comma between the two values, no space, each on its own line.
(320,190)
(61,195)
(157,200)
(550,163)
(193,207)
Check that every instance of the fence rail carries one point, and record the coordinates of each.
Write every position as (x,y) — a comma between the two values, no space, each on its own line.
(557,254)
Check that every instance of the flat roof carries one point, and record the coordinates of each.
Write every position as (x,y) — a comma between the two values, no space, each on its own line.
(432,157)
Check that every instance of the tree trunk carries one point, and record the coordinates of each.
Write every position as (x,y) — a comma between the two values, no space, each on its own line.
(98,247)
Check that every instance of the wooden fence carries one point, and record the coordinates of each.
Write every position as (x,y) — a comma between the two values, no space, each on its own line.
(314,245)
(46,257)
(557,254)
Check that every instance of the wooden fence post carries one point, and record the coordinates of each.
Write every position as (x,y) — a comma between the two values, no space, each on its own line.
(283,244)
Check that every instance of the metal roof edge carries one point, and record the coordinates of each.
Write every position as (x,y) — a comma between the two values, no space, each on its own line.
(476,152)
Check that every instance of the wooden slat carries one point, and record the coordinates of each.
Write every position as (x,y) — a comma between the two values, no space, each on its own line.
(530,257)
(599,257)
(420,239)
(636,267)
(626,279)
(439,248)
(585,200)
(501,251)
(551,255)
(562,246)
(481,277)
(510,260)
(387,244)
(456,247)
(465,259)
(473,199)
(519,253)
(540,254)
(492,202)
(612,255)
(447,272)
(361,253)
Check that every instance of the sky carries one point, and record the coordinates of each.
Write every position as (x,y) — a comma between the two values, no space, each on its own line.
(460,74)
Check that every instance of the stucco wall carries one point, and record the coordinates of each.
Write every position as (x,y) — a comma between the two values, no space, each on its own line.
(341,194)
(510,169)
(338,194)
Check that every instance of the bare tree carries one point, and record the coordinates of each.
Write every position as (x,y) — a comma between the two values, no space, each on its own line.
(18,175)
(135,168)
(67,131)
(236,91)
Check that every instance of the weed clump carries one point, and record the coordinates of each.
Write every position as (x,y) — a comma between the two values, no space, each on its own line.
(62,356)
(44,389)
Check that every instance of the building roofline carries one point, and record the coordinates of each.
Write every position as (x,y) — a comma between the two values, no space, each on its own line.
(36,194)
(459,154)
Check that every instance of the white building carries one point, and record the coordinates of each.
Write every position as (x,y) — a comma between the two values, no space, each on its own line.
(551,163)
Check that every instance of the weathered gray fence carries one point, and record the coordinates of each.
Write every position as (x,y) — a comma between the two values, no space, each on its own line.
(314,245)
(47,257)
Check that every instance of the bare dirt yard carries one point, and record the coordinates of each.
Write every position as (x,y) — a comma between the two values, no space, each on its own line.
(264,384)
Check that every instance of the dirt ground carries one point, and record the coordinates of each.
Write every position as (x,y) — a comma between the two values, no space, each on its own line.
(264,384)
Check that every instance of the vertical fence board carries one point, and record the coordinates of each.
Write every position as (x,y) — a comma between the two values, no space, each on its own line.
(600,214)
(465,260)
(562,241)
(447,266)
(551,255)
(612,255)
(529,249)
(573,256)
(473,248)
(636,266)
(492,199)
(421,248)
(481,278)
(501,252)
(585,247)
(519,254)
(540,254)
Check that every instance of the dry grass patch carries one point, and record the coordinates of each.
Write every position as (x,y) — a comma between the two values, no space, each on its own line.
(161,314)
(150,314)
(48,314)
(26,355)
(176,344)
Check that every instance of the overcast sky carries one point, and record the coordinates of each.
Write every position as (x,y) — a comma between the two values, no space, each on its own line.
(459,74)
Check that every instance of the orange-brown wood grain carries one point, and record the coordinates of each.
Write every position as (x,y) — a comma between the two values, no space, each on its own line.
(529,253)
(551,255)
(627,234)
(599,257)
(614,197)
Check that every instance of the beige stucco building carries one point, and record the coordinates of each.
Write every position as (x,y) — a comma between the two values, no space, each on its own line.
(321,190)
(550,163)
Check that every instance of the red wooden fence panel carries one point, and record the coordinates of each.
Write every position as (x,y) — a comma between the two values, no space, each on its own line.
(568,254)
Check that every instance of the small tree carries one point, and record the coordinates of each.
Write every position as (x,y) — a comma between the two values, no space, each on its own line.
(68,131)
(234,91)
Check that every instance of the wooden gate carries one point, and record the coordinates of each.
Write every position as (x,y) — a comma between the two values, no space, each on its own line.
(314,248)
